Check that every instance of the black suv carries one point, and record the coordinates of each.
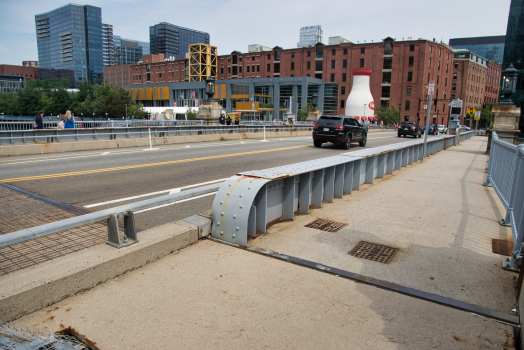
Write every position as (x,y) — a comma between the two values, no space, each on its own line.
(409,128)
(340,130)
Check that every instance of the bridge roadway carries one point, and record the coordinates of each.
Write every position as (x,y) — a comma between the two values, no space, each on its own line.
(98,180)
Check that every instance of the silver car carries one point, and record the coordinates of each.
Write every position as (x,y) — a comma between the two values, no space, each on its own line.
(442,129)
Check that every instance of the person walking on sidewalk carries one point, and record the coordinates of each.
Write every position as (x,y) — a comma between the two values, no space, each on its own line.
(38,120)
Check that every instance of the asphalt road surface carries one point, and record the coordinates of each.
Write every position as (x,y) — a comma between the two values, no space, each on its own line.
(99,180)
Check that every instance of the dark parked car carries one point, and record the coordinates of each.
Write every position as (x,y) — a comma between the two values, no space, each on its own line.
(340,130)
(409,128)
(432,129)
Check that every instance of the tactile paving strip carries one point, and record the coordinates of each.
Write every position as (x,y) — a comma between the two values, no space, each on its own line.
(373,252)
(326,225)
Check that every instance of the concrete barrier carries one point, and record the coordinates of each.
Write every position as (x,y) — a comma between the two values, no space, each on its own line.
(28,290)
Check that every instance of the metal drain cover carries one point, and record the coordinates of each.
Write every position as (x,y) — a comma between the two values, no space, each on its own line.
(374,252)
(326,225)
(499,246)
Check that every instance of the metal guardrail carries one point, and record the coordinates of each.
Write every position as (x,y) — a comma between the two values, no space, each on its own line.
(506,175)
(248,201)
(77,134)
(124,123)
(110,215)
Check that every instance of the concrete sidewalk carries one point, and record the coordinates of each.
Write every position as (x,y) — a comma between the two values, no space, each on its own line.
(211,295)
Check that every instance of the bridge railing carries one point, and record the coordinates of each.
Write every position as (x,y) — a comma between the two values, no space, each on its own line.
(506,175)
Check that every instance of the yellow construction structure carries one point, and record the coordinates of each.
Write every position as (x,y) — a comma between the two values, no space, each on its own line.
(202,62)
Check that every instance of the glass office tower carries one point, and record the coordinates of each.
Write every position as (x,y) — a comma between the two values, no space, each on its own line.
(70,38)
(173,41)
(129,51)
(107,45)
(514,53)
(491,47)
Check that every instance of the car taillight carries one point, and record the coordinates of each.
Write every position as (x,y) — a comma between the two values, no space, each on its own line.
(413,128)
(315,126)
(339,127)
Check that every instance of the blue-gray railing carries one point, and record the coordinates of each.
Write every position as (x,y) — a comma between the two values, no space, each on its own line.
(117,123)
(248,201)
(506,175)
(77,134)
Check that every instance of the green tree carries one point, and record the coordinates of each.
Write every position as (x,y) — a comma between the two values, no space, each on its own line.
(485,114)
(388,115)
(8,103)
(304,112)
(60,101)
(28,101)
(191,113)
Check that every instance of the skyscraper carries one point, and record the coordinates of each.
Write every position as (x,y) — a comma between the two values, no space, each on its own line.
(173,41)
(491,47)
(107,44)
(311,35)
(70,38)
(129,51)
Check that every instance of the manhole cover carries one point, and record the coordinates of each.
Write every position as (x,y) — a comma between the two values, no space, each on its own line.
(499,246)
(374,252)
(326,225)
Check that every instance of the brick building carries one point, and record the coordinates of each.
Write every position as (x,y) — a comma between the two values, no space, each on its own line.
(493,77)
(29,73)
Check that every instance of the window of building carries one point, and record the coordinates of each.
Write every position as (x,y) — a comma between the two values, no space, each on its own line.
(308,75)
(362,50)
(148,76)
(411,47)
(408,90)
(429,64)
(309,54)
(407,105)
(308,65)
(361,63)
(345,51)
(446,82)
(410,61)
(228,70)
(160,75)
(342,90)
(318,75)
(429,76)
(333,52)
(320,52)
(448,56)
(455,65)
(438,78)
(240,69)
(430,48)
(447,66)
(292,65)
(343,76)
(221,70)
(252,58)
(253,68)
(268,56)
(455,75)
(439,52)
(332,78)
(344,63)
(438,65)
(318,66)
(333,64)
(453,88)
(292,55)
(410,76)
(342,103)
(247,69)
(388,63)
(269,67)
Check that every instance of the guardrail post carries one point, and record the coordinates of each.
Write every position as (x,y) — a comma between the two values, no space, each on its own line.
(329,184)
(370,169)
(129,226)
(318,190)
(490,165)
(339,181)
(398,159)
(348,178)
(381,165)
(113,231)
(304,193)
(113,234)
(288,198)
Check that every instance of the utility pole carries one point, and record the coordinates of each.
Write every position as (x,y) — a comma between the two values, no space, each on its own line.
(430,94)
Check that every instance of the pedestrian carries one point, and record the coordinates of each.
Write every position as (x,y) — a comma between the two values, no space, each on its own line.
(39,123)
(69,121)
(222,120)
(228,120)
(237,121)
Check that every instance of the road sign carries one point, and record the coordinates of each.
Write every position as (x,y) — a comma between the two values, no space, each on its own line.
(470,111)
(477,116)
(456,107)
(431,87)
(456,103)
(425,106)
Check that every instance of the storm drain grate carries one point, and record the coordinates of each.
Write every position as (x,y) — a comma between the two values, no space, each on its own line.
(326,225)
(499,246)
(374,252)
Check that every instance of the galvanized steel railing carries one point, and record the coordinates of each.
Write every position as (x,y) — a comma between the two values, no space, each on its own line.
(20,125)
(506,175)
(56,135)
(110,215)
(247,202)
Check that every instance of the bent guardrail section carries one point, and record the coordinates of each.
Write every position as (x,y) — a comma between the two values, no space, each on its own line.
(248,201)
(506,175)
(111,215)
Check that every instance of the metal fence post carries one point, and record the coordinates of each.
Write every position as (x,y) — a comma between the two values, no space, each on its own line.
(490,165)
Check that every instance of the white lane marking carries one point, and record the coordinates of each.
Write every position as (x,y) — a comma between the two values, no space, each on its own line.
(180,201)
(172,190)
(188,146)
(150,149)
(103,154)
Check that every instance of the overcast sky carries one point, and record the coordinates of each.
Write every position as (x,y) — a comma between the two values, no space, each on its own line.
(235,24)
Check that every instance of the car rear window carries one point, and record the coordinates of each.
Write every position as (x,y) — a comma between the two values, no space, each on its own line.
(407,123)
(324,121)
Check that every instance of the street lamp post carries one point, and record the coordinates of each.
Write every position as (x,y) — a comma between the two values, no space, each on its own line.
(509,84)
(210,89)
(93,115)
(126,110)
(399,107)
(82,116)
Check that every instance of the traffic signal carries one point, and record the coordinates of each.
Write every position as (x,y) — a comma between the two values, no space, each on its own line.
(418,114)
(484,105)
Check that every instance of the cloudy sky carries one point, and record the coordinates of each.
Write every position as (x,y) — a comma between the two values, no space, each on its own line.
(235,24)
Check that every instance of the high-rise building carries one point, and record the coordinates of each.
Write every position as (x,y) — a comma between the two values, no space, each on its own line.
(173,41)
(491,47)
(127,51)
(107,44)
(310,36)
(514,53)
(70,38)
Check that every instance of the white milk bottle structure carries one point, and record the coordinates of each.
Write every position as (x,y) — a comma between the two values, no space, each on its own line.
(360,102)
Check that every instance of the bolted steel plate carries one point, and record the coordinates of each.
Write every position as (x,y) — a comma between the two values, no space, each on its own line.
(502,247)
(326,225)
(374,252)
